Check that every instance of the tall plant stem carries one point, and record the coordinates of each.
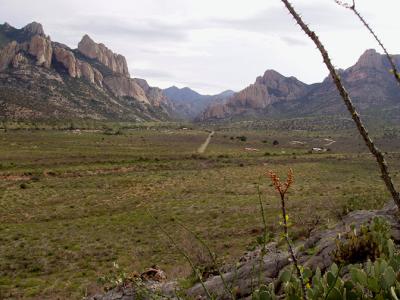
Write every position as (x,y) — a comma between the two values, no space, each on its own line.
(264,241)
(289,243)
(349,104)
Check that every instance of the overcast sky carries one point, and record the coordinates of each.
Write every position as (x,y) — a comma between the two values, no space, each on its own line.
(212,45)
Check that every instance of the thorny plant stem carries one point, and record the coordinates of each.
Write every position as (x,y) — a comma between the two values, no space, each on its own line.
(212,256)
(349,104)
(289,243)
(264,235)
(184,254)
(396,73)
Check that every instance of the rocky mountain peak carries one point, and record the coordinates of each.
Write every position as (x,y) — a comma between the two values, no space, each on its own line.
(370,59)
(7,26)
(115,62)
(270,75)
(33,28)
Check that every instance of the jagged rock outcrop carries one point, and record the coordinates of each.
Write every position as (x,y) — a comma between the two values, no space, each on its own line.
(41,48)
(137,88)
(75,67)
(270,88)
(115,62)
(155,95)
(86,71)
(369,82)
(7,54)
(19,60)
(33,28)
(98,77)
(43,79)
(122,86)
(67,59)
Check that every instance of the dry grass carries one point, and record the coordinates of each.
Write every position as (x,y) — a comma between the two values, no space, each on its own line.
(84,205)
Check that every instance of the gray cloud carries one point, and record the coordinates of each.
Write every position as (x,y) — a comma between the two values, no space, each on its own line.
(277,20)
(153,73)
(136,29)
(292,41)
(211,45)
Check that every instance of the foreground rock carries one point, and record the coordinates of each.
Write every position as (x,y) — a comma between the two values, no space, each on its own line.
(245,274)
(322,243)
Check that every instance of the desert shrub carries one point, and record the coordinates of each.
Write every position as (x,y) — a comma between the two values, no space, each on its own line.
(368,242)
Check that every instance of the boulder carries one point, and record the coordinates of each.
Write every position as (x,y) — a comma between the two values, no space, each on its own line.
(154,274)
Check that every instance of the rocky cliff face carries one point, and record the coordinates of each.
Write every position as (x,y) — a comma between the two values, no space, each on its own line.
(30,56)
(75,67)
(41,48)
(369,82)
(371,86)
(115,62)
(270,88)
(7,55)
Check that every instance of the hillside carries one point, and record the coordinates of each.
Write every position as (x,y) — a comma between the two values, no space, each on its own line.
(273,95)
(42,79)
(187,103)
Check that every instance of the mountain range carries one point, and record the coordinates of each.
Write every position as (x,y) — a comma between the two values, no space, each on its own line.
(369,82)
(43,79)
(188,103)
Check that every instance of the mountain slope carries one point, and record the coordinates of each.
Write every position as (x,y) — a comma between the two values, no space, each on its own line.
(44,79)
(370,83)
(188,104)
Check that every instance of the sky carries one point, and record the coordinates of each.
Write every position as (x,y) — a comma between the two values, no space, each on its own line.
(213,45)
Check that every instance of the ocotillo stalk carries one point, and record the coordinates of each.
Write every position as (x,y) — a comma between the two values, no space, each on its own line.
(348,102)
(352,7)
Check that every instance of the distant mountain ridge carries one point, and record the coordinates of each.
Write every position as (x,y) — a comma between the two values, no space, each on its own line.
(369,81)
(40,78)
(187,103)
(43,79)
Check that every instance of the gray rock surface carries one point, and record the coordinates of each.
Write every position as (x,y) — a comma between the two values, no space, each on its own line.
(322,243)
(244,276)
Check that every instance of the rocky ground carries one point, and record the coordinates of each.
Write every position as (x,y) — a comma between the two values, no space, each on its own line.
(243,275)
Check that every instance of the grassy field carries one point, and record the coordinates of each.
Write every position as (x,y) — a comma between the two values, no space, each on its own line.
(74,202)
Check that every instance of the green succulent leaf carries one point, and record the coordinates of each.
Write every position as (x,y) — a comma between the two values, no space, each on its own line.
(359,276)
(389,277)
